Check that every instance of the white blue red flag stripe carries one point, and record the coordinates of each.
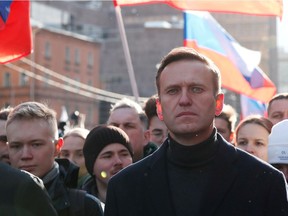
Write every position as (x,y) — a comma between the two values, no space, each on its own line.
(238,65)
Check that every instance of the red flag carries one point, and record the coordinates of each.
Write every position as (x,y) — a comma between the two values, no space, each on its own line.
(15,35)
(253,7)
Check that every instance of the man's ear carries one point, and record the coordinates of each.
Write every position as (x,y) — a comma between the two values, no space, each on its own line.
(58,144)
(147,135)
(219,104)
(231,137)
(159,109)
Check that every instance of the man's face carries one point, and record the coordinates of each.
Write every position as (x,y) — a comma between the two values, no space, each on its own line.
(188,100)
(4,156)
(73,150)
(113,158)
(278,111)
(222,128)
(157,130)
(31,146)
(128,120)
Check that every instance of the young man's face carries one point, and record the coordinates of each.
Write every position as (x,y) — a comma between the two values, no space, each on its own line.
(113,158)
(223,129)
(157,130)
(31,146)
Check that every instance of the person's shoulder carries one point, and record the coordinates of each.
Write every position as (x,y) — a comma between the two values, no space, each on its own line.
(93,205)
(149,148)
(86,203)
(252,163)
(15,174)
(244,161)
(35,179)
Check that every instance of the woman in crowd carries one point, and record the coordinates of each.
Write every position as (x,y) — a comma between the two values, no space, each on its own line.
(73,150)
(252,135)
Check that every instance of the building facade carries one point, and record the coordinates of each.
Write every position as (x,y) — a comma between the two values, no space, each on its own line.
(60,60)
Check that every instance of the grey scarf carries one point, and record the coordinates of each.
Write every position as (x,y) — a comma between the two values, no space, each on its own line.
(51,174)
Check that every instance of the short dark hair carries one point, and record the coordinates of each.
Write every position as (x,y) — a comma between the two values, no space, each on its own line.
(229,115)
(280,96)
(4,112)
(186,53)
(150,107)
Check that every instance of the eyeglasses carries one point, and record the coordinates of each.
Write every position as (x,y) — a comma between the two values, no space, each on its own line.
(3,138)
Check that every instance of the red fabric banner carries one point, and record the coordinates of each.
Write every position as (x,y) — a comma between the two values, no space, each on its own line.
(252,7)
(15,35)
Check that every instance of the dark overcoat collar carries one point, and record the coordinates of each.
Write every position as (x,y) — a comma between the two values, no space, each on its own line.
(221,179)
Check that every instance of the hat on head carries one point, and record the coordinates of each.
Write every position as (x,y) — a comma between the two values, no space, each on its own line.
(98,138)
(278,143)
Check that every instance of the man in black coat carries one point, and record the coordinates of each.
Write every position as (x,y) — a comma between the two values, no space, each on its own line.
(22,194)
(195,171)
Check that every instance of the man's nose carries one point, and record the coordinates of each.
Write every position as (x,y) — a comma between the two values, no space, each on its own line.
(184,98)
(26,152)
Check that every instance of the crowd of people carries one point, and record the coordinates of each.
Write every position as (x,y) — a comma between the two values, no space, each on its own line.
(181,151)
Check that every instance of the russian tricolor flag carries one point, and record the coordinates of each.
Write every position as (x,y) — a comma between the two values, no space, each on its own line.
(238,65)
(4,12)
(15,30)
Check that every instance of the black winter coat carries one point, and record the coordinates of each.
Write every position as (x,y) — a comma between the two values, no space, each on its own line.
(238,185)
(67,200)
(22,194)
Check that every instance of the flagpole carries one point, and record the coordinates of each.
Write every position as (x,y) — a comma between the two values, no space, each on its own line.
(126,52)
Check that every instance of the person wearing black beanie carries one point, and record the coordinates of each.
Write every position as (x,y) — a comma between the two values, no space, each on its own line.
(107,150)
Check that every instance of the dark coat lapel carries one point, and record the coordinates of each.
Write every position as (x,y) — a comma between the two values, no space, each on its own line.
(158,191)
(222,177)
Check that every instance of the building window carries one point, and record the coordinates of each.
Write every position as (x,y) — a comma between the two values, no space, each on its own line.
(90,60)
(23,79)
(77,57)
(7,79)
(67,55)
(47,50)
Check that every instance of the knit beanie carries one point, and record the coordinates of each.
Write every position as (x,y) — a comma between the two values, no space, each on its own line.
(98,138)
(278,143)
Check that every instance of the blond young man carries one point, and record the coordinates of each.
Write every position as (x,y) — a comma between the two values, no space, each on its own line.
(33,144)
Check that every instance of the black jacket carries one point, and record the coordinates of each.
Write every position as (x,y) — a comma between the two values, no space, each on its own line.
(238,185)
(22,194)
(67,200)
(90,186)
